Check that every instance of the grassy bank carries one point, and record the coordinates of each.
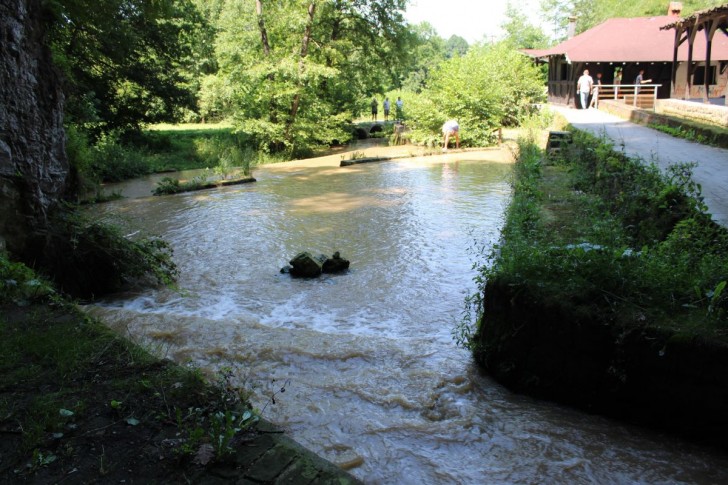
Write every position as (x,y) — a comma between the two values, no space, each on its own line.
(81,404)
(606,291)
(77,399)
(160,149)
(614,235)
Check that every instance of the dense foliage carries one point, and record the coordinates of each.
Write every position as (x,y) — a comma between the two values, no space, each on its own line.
(122,60)
(89,258)
(289,76)
(292,73)
(599,230)
(489,87)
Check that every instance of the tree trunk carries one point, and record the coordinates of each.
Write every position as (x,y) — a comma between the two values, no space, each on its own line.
(304,52)
(266,52)
(261,27)
(33,165)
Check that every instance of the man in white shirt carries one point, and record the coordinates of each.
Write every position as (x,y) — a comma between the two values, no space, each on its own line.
(584,86)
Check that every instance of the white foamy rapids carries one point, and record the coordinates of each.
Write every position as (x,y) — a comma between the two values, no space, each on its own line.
(384,400)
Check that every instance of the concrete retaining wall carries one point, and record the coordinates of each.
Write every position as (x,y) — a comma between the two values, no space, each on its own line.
(704,113)
(582,357)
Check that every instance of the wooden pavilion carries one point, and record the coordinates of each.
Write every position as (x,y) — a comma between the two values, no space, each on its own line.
(621,47)
(710,21)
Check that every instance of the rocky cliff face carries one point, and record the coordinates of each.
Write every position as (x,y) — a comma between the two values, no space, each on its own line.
(33,164)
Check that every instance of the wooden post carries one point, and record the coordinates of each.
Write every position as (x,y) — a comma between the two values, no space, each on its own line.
(691,31)
(673,74)
(709,29)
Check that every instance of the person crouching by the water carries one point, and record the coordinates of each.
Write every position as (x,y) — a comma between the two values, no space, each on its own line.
(451,128)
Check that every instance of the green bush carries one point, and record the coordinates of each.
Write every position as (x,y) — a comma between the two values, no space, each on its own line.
(87,258)
(113,162)
(20,284)
(618,237)
(489,87)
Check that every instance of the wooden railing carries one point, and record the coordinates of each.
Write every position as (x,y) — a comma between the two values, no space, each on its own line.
(640,96)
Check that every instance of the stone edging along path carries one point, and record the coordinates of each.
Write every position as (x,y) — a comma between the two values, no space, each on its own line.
(272,457)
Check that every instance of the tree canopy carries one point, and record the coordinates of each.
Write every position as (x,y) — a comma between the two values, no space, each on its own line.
(123,59)
(294,71)
(521,33)
(593,12)
(289,74)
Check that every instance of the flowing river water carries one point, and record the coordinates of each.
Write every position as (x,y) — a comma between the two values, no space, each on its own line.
(372,376)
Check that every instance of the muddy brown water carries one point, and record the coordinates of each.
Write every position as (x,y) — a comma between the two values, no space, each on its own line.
(372,376)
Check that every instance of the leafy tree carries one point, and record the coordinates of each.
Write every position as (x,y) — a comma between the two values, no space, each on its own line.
(593,12)
(123,59)
(456,46)
(521,33)
(298,69)
(426,50)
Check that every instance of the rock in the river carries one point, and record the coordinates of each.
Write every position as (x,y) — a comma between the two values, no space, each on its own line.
(335,264)
(308,266)
(305,265)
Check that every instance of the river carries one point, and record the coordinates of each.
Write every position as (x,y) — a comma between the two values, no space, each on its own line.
(370,371)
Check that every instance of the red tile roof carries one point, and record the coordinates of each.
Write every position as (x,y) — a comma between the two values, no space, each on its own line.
(637,39)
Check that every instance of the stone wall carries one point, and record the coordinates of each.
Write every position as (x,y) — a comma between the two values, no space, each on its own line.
(33,164)
(704,113)
(579,356)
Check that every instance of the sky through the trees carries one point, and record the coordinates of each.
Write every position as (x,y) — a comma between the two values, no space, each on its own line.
(473,20)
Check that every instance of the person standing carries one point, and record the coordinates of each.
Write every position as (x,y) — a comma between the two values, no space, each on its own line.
(450,128)
(375,104)
(386,109)
(638,81)
(594,103)
(584,86)
(400,108)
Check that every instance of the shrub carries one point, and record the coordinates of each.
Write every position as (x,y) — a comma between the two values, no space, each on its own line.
(603,231)
(88,258)
(489,87)
(20,284)
(112,162)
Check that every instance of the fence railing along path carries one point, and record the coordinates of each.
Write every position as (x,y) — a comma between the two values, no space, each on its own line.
(638,95)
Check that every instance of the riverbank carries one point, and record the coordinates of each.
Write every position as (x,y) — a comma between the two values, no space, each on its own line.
(606,292)
(79,403)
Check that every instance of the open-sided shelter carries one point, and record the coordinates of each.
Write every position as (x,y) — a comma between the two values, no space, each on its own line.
(711,21)
(629,45)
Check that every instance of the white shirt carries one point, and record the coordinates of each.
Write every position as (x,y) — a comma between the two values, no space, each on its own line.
(585,83)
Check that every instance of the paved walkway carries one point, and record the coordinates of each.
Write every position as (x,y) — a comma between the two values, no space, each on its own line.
(648,144)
